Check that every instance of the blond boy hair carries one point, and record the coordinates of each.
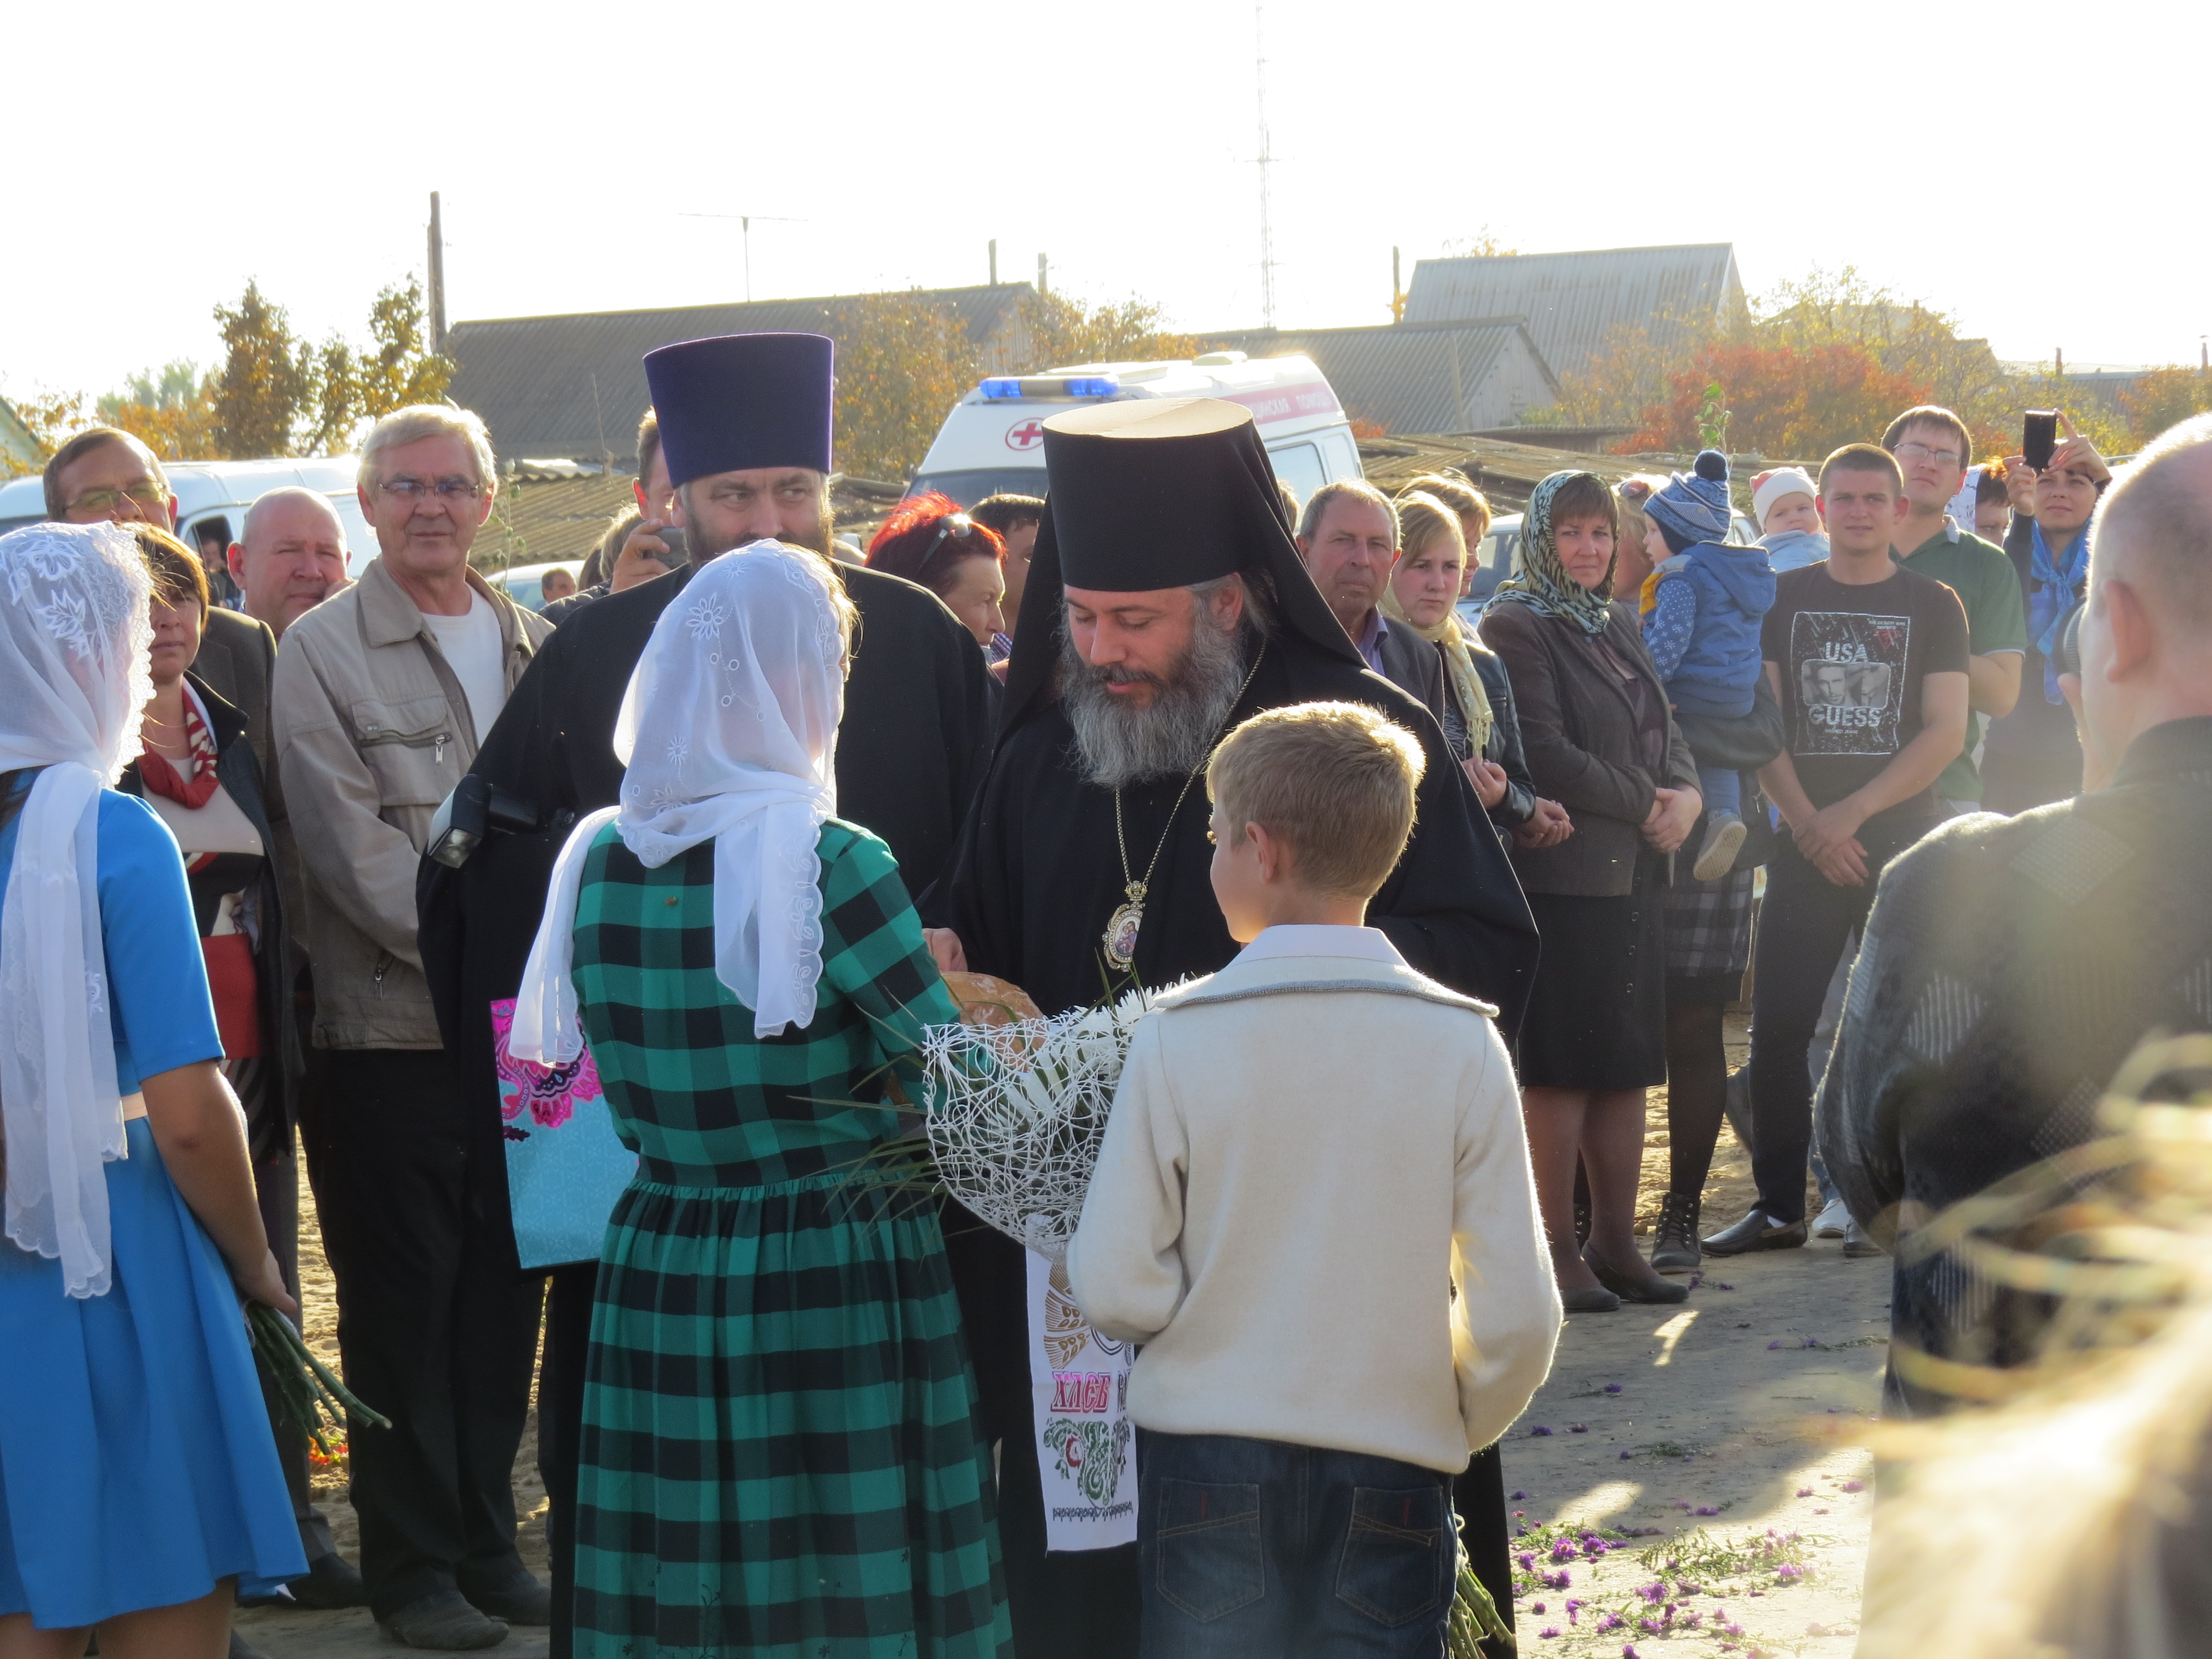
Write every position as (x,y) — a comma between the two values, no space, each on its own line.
(1333,781)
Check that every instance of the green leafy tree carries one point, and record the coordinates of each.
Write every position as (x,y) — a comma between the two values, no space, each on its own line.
(2163,397)
(903,361)
(1063,331)
(267,382)
(173,410)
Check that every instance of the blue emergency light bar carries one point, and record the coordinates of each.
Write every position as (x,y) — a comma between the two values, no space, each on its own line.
(1052,385)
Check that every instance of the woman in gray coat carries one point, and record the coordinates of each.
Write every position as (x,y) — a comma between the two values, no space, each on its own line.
(1600,741)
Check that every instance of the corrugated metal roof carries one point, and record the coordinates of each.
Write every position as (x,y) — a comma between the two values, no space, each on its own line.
(1409,379)
(564,386)
(1572,300)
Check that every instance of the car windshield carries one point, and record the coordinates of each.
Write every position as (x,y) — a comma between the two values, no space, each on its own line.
(971,486)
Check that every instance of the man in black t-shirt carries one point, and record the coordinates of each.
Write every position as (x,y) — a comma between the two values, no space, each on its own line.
(1868,662)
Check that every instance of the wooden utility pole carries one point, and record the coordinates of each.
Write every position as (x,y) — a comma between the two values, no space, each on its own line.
(437,280)
(995,262)
(1043,271)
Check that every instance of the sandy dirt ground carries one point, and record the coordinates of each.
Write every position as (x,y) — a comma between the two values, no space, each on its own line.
(1734,1415)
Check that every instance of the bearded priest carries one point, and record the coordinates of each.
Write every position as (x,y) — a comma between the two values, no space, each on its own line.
(1166,602)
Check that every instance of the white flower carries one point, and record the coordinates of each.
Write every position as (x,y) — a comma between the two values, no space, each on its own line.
(680,746)
(705,619)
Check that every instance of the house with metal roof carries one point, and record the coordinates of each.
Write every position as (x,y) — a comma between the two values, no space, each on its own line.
(573,386)
(1450,377)
(1571,302)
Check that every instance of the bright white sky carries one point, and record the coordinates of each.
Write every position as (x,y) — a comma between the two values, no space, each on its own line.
(2033,168)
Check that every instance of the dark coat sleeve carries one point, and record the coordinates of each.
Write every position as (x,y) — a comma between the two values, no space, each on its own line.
(1570,774)
(1416,667)
(1503,748)
(1453,907)
(1875,1074)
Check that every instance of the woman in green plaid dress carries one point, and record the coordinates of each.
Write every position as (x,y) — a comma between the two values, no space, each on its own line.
(781,1454)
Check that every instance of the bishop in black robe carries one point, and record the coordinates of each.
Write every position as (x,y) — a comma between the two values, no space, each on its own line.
(910,750)
(1039,871)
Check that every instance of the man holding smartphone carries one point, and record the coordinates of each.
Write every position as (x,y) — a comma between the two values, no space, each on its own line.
(2032,757)
(655,544)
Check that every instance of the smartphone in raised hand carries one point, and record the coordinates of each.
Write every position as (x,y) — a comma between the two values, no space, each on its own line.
(2039,437)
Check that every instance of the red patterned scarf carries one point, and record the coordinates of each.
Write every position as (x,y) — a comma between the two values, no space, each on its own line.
(161,778)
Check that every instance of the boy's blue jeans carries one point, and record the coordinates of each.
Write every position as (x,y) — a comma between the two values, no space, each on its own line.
(1722,790)
(1253,1549)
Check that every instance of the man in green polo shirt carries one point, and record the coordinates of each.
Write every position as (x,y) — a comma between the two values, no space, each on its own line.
(1933,451)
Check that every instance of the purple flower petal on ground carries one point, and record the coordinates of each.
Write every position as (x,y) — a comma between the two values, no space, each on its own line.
(1804,1491)
(1771,1346)
(1719,1285)
(1548,1632)
(1629,1652)
(1527,1560)
(1707,1509)
(1853,1485)
(1518,1496)
(1539,1432)
(1613,1387)
(1816,1512)
(1625,1456)
(1578,1428)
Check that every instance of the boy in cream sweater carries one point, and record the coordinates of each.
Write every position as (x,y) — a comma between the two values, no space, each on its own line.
(1313,1208)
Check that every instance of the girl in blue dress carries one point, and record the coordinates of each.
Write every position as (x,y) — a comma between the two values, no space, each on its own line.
(139,1488)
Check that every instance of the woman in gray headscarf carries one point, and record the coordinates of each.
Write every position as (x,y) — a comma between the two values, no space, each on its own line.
(1600,741)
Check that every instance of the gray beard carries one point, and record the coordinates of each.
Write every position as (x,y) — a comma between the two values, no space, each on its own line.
(1118,744)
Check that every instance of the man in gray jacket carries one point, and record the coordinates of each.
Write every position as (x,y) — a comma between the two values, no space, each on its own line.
(382,694)
(1348,539)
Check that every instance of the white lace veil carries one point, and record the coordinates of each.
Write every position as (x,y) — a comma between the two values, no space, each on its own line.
(729,729)
(75,629)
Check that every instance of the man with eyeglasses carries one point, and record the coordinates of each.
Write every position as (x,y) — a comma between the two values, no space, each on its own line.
(106,473)
(1933,452)
(384,692)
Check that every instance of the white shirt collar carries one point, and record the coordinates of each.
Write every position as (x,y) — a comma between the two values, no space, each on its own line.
(1322,939)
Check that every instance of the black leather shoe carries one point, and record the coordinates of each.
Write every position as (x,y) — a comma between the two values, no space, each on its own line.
(1756,1231)
(443,1623)
(1632,1289)
(1675,1247)
(332,1582)
(521,1600)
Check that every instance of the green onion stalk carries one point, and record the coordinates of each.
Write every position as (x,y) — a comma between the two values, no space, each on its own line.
(1473,1614)
(306,1390)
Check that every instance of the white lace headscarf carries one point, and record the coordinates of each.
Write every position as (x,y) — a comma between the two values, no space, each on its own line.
(75,630)
(729,729)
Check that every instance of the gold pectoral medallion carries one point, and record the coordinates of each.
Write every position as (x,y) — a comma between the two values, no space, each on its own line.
(1120,935)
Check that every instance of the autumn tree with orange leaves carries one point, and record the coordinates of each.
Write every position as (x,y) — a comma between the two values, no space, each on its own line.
(1781,401)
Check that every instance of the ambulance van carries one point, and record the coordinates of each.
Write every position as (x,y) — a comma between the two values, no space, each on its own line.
(993,443)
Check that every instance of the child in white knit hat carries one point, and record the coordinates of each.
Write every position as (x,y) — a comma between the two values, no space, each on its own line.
(1782,502)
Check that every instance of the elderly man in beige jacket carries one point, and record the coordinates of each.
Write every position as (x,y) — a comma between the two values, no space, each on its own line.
(382,694)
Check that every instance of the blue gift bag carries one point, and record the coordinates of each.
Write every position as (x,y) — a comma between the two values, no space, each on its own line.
(565,1165)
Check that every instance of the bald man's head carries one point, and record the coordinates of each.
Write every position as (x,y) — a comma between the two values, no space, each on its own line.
(2154,525)
(290,555)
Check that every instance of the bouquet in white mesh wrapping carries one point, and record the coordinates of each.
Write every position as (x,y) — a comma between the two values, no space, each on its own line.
(1015,1112)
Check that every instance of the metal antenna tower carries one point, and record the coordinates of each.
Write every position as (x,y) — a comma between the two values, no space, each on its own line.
(745,226)
(1267,160)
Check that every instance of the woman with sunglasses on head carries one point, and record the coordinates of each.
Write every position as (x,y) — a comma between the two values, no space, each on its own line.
(929,540)
(139,1487)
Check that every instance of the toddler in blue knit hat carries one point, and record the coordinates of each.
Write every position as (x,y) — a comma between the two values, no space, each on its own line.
(1703,631)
